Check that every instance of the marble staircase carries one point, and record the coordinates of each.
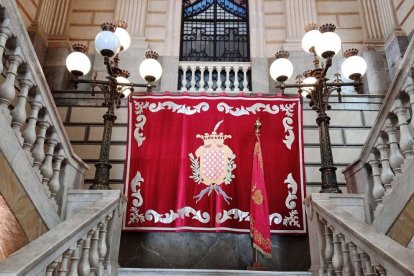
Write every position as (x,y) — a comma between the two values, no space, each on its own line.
(83,227)
(385,163)
(69,231)
(369,231)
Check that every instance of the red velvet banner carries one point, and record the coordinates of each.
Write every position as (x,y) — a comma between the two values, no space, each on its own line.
(189,163)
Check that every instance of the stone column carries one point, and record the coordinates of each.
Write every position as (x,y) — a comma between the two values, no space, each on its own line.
(171,51)
(371,24)
(135,14)
(382,30)
(377,80)
(389,22)
(260,63)
(298,14)
(396,39)
(52,21)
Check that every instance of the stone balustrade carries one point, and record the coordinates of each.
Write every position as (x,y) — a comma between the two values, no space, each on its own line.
(30,121)
(388,152)
(214,76)
(87,243)
(343,244)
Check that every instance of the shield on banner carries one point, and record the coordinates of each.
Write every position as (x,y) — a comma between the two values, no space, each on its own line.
(213,164)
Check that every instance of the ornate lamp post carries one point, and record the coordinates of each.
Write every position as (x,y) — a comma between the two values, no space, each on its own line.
(109,42)
(322,43)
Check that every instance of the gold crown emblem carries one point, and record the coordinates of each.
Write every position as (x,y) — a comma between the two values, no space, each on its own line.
(213,136)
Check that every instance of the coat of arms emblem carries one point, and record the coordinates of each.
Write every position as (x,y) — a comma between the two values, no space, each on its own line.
(213,164)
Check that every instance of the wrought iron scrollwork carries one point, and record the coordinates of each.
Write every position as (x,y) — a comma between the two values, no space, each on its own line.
(215,30)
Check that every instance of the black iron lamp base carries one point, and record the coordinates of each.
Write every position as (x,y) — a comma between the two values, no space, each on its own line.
(333,190)
(101,180)
(97,186)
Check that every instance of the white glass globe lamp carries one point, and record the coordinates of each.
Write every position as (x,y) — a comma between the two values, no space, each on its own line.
(122,34)
(354,66)
(329,43)
(311,37)
(77,62)
(282,68)
(126,90)
(150,69)
(106,42)
(308,80)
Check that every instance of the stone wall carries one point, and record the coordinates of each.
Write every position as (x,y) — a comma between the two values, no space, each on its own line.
(86,18)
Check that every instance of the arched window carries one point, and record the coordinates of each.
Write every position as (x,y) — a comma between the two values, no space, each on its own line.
(215,30)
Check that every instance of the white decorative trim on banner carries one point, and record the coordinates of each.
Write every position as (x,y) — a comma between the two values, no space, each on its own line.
(288,109)
(240,215)
(232,214)
(181,213)
(187,110)
(287,121)
(290,199)
(258,107)
(290,202)
(236,213)
(292,219)
(137,202)
(275,218)
(290,137)
(141,120)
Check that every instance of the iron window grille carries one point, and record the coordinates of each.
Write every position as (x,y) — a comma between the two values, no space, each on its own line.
(215,30)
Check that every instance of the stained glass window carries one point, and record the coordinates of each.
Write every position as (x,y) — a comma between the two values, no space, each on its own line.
(215,30)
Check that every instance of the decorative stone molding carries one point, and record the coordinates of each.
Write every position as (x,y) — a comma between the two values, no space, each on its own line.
(52,22)
(380,23)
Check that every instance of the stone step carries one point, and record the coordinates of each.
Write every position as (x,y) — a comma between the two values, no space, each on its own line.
(204,272)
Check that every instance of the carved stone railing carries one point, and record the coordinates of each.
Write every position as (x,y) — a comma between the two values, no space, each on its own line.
(388,151)
(198,76)
(343,244)
(34,141)
(87,243)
